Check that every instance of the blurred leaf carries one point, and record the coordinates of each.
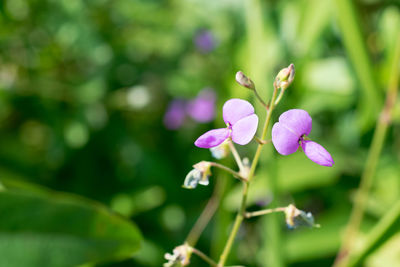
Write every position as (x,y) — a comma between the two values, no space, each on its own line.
(387,255)
(370,100)
(44,228)
(384,230)
(305,244)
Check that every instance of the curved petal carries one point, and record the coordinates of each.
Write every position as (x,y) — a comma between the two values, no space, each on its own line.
(317,153)
(297,120)
(245,129)
(236,109)
(285,141)
(212,138)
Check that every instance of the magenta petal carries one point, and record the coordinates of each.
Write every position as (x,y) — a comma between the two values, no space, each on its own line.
(236,109)
(212,138)
(317,153)
(297,120)
(285,141)
(245,129)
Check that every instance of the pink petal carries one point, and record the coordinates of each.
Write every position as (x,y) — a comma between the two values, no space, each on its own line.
(245,129)
(236,109)
(212,138)
(285,141)
(297,120)
(317,153)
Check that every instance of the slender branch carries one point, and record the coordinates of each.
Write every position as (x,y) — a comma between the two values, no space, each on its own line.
(260,99)
(282,92)
(377,235)
(263,212)
(236,156)
(240,215)
(262,142)
(371,163)
(204,257)
(223,167)
(205,216)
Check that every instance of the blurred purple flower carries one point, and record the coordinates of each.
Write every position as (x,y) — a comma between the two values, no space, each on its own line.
(241,124)
(205,41)
(289,133)
(175,115)
(202,108)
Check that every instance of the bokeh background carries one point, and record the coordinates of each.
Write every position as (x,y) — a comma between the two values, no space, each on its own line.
(85,86)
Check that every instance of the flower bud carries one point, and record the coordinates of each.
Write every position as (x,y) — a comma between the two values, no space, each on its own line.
(285,77)
(243,80)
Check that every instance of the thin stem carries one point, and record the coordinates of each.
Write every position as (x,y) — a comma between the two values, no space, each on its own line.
(223,167)
(282,92)
(264,134)
(263,212)
(235,228)
(262,142)
(205,216)
(204,257)
(371,163)
(236,156)
(259,98)
(242,210)
(378,234)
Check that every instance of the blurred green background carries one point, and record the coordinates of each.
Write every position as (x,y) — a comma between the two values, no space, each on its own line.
(85,84)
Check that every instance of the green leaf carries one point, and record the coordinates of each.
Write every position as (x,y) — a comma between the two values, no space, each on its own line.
(43,228)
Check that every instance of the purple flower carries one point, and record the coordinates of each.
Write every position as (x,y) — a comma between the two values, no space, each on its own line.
(175,115)
(202,108)
(241,124)
(289,133)
(205,41)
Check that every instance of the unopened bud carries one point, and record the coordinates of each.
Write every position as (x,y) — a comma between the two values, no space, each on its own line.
(243,80)
(285,77)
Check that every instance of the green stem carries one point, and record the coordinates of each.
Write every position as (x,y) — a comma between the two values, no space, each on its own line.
(223,167)
(241,213)
(204,257)
(236,156)
(354,43)
(377,235)
(371,163)
(205,216)
(260,99)
(263,212)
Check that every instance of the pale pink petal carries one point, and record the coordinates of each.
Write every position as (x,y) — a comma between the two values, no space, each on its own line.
(212,138)
(317,153)
(297,120)
(236,109)
(285,141)
(245,129)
